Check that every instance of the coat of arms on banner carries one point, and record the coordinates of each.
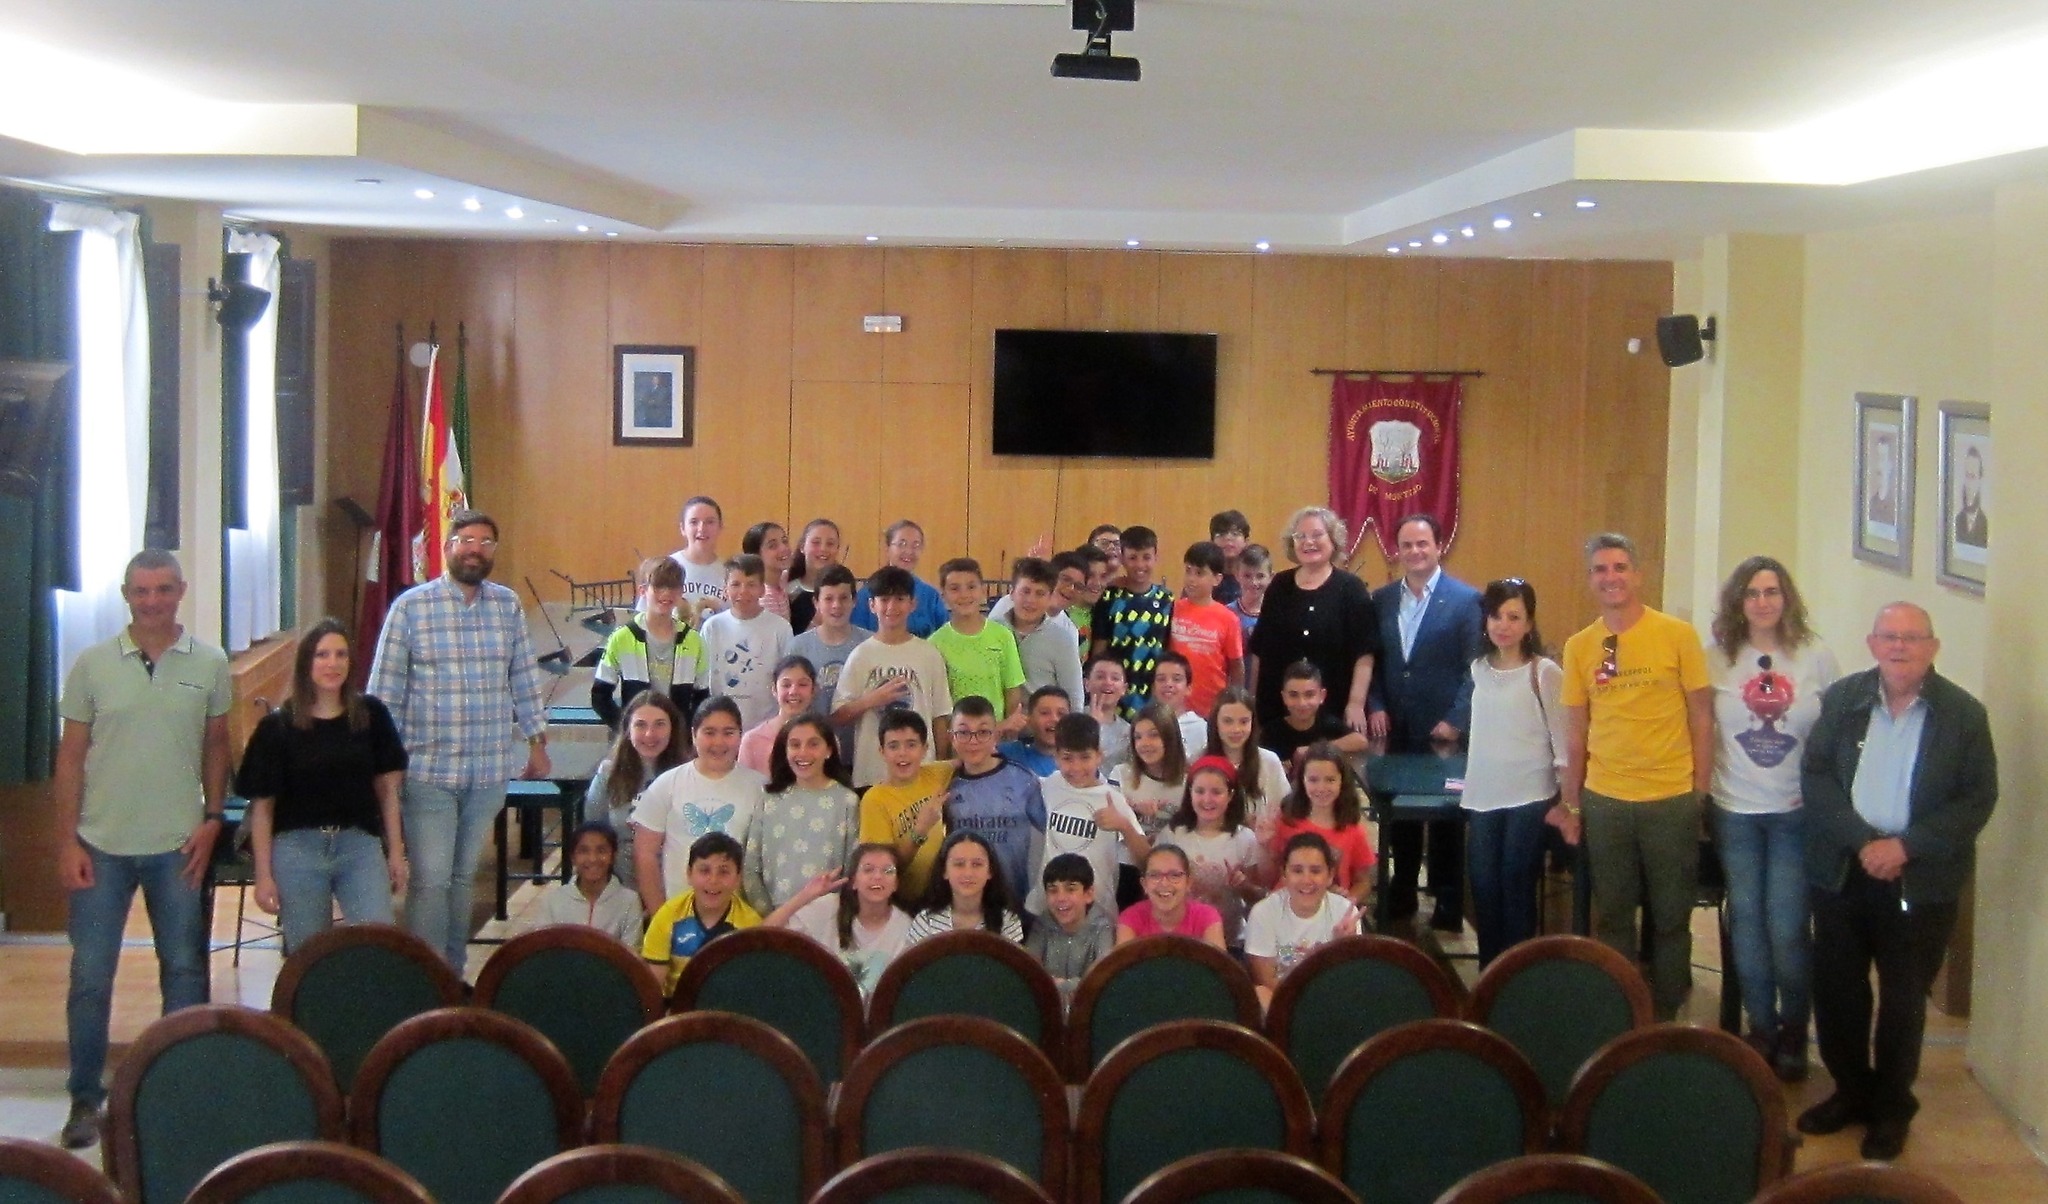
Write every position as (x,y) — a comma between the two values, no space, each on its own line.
(1396,450)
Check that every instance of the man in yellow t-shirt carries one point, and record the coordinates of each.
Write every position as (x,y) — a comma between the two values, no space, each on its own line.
(907,808)
(1639,708)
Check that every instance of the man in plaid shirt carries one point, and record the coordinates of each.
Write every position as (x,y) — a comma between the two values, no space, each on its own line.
(456,670)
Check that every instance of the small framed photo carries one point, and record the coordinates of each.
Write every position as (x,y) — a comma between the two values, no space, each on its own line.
(1884,480)
(1965,474)
(654,396)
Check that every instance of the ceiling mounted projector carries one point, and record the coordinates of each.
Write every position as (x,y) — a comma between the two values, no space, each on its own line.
(1098,19)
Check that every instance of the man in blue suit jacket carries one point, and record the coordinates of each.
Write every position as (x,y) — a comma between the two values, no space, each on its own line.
(1421,697)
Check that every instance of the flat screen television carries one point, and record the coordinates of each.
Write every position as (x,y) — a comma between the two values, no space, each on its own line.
(1102,393)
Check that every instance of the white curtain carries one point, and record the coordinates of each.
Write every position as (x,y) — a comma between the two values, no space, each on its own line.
(113,421)
(255,570)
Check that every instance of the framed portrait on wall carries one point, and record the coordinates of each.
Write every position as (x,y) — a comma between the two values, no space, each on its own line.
(1883,486)
(1965,476)
(653,395)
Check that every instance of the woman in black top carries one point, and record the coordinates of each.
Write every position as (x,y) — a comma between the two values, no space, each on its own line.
(1318,613)
(322,776)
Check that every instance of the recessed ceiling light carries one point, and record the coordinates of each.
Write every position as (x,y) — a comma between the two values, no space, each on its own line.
(1538,213)
(1414,242)
(1130,242)
(582,229)
(611,233)
(1584,203)
(368,180)
(472,204)
(1502,223)
(425,194)
(1439,238)
(1467,231)
(515,213)
(1262,245)
(551,220)
(1393,248)
(874,238)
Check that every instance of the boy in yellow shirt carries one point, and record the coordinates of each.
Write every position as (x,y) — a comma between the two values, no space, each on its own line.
(907,809)
(710,909)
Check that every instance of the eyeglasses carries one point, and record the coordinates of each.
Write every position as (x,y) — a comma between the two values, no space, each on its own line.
(961,734)
(470,543)
(1610,656)
(1900,637)
(1167,876)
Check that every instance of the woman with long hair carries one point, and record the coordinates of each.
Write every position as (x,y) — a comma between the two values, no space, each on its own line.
(322,775)
(652,740)
(1769,672)
(817,549)
(770,542)
(967,892)
(853,914)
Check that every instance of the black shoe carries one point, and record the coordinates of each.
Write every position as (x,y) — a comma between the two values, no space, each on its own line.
(1832,1115)
(82,1127)
(1789,1060)
(1885,1139)
(1444,922)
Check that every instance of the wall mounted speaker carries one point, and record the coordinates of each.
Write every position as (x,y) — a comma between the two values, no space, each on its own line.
(1681,340)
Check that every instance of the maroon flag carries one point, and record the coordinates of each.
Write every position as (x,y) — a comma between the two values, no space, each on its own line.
(1394,452)
(390,569)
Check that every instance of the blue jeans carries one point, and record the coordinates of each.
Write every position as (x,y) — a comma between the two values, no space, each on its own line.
(315,867)
(1763,858)
(99,913)
(445,831)
(1503,861)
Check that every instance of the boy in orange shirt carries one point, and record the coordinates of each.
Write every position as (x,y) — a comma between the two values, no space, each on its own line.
(1205,631)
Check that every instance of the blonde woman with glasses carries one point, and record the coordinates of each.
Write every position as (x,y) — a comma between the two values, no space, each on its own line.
(1319,613)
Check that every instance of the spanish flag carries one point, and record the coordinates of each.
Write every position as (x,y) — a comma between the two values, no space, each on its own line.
(441,480)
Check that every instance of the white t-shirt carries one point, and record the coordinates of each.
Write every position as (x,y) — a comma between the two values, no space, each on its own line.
(1070,828)
(872,947)
(875,662)
(1761,723)
(683,804)
(830,660)
(1272,787)
(1142,787)
(701,581)
(1273,930)
(1517,745)
(1211,860)
(739,660)
(1194,734)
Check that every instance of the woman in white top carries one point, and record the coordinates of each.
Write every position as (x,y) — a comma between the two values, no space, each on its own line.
(1769,672)
(1511,769)
(855,917)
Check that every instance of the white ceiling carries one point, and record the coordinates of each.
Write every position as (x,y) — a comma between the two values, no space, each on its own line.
(1323,125)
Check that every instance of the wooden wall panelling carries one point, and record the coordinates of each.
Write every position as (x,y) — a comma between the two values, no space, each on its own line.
(1627,413)
(1112,290)
(743,390)
(1391,320)
(1210,294)
(1481,307)
(1554,466)
(931,486)
(1011,499)
(1297,323)
(841,465)
(654,295)
(566,495)
(932,289)
(834,286)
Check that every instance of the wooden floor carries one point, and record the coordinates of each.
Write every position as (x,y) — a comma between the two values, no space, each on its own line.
(1960,1137)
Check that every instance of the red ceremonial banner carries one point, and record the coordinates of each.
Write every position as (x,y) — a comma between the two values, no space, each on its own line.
(1394,452)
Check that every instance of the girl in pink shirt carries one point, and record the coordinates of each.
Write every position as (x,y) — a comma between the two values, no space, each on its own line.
(1167,910)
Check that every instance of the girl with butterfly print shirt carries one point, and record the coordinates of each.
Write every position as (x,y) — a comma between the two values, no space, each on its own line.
(713,793)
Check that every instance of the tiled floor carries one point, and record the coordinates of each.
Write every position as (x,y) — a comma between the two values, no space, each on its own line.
(1960,1137)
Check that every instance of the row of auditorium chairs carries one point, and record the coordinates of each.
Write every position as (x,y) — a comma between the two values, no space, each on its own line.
(305,1172)
(1557,999)
(466,1099)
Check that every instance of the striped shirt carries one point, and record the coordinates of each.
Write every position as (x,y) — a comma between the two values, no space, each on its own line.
(460,680)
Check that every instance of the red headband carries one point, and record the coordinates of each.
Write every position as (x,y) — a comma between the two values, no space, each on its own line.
(1217,763)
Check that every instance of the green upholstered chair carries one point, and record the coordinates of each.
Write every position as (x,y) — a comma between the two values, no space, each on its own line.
(970,973)
(1348,992)
(1424,1104)
(786,980)
(576,986)
(308,1172)
(34,1172)
(348,986)
(1242,1177)
(1558,999)
(724,1091)
(1153,981)
(1693,1112)
(957,1082)
(1859,1183)
(465,1100)
(1550,1179)
(206,1083)
(619,1174)
(928,1176)
(1179,1089)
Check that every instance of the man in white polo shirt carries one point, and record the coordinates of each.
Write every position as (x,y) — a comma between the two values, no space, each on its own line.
(140,782)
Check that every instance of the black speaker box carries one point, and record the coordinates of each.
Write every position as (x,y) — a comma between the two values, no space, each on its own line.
(1678,340)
